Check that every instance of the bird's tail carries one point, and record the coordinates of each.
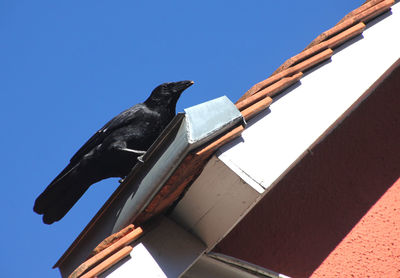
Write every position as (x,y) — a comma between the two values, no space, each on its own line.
(62,193)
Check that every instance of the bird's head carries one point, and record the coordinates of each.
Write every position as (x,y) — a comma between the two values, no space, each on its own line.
(167,94)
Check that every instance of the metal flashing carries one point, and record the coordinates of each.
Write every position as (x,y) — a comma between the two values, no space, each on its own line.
(200,124)
(220,114)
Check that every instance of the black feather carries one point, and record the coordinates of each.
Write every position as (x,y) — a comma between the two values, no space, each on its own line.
(106,154)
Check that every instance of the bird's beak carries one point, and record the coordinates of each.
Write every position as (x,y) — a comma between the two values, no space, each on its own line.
(183,85)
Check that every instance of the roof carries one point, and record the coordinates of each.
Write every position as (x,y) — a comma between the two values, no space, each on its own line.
(261,95)
(255,100)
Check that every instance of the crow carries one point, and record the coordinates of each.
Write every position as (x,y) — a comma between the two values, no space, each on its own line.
(112,151)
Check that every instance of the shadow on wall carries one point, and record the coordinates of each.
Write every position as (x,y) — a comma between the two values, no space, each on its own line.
(308,213)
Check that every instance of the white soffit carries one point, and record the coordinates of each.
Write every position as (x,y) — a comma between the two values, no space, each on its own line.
(273,141)
(213,205)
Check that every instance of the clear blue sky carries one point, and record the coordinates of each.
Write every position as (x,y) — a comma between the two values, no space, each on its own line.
(67,67)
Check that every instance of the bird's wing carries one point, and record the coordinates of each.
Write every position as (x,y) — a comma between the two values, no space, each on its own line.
(128,116)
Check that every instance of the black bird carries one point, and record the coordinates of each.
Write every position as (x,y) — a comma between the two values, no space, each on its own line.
(112,151)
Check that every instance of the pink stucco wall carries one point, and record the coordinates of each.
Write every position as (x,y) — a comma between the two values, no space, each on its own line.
(372,248)
(337,212)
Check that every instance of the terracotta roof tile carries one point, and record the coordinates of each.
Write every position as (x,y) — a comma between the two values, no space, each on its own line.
(112,239)
(103,254)
(363,7)
(256,108)
(213,146)
(306,64)
(269,91)
(363,14)
(352,25)
(333,42)
(109,262)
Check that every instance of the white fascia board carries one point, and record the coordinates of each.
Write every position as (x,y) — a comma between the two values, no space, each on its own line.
(273,141)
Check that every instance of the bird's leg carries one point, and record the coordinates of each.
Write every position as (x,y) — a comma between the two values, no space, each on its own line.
(140,158)
(132,151)
(121,146)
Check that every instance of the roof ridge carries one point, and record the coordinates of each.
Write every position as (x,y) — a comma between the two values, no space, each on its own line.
(308,63)
(321,48)
(367,4)
(362,14)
